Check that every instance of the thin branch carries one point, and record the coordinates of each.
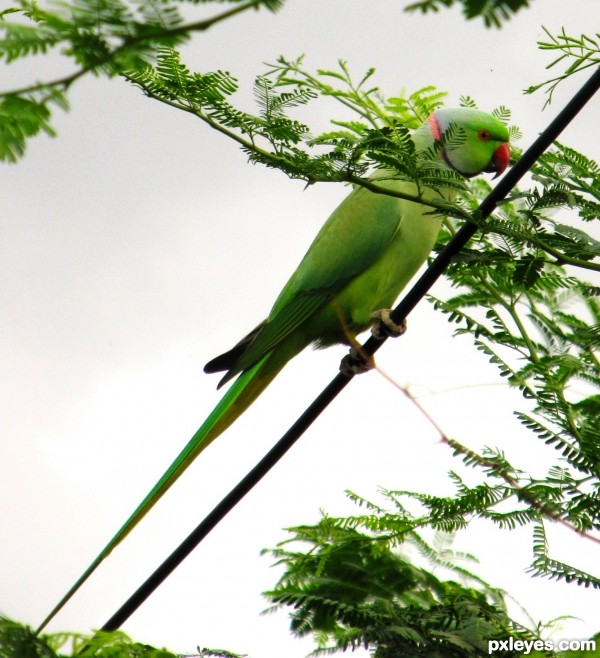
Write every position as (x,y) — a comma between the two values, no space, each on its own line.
(563,259)
(201,26)
(64,82)
(511,308)
(518,490)
(442,206)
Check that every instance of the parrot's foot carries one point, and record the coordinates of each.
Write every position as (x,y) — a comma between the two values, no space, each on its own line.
(385,327)
(355,363)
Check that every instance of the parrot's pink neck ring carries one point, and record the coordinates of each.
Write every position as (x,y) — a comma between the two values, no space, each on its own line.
(434,126)
(436,133)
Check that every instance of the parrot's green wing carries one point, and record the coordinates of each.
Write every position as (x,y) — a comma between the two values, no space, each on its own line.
(352,239)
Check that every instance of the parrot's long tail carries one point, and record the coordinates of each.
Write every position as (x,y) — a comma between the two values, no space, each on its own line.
(247,387)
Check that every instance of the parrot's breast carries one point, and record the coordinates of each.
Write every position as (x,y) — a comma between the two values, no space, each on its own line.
(350,311)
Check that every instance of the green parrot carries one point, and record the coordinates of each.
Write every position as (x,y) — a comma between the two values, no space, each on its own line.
(363,256)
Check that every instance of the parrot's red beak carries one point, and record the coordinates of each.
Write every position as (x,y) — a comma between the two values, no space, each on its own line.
(500,159)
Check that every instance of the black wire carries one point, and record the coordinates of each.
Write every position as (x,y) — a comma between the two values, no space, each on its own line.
(408,303)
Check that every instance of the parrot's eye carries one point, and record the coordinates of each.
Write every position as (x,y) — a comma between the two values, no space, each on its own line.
(484,135)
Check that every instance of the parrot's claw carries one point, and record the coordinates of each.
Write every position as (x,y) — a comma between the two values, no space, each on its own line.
(355,363)
(385,327)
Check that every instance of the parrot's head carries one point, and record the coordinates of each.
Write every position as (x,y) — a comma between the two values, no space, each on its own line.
(481,144)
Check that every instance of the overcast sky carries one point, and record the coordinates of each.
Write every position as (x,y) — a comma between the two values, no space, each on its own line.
(138,244)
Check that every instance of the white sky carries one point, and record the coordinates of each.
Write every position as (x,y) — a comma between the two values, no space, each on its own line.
(137,245)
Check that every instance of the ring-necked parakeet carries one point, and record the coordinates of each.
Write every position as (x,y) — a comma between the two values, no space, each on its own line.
(364,255)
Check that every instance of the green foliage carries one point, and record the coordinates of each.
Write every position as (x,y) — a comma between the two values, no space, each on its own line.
(102,37)
(579,53)
(19,641)
(349,586)
(21,118)
(493,12)
(538,324)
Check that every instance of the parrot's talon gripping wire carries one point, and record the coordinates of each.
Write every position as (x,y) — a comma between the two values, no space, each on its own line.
(384,327)
(356,362)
